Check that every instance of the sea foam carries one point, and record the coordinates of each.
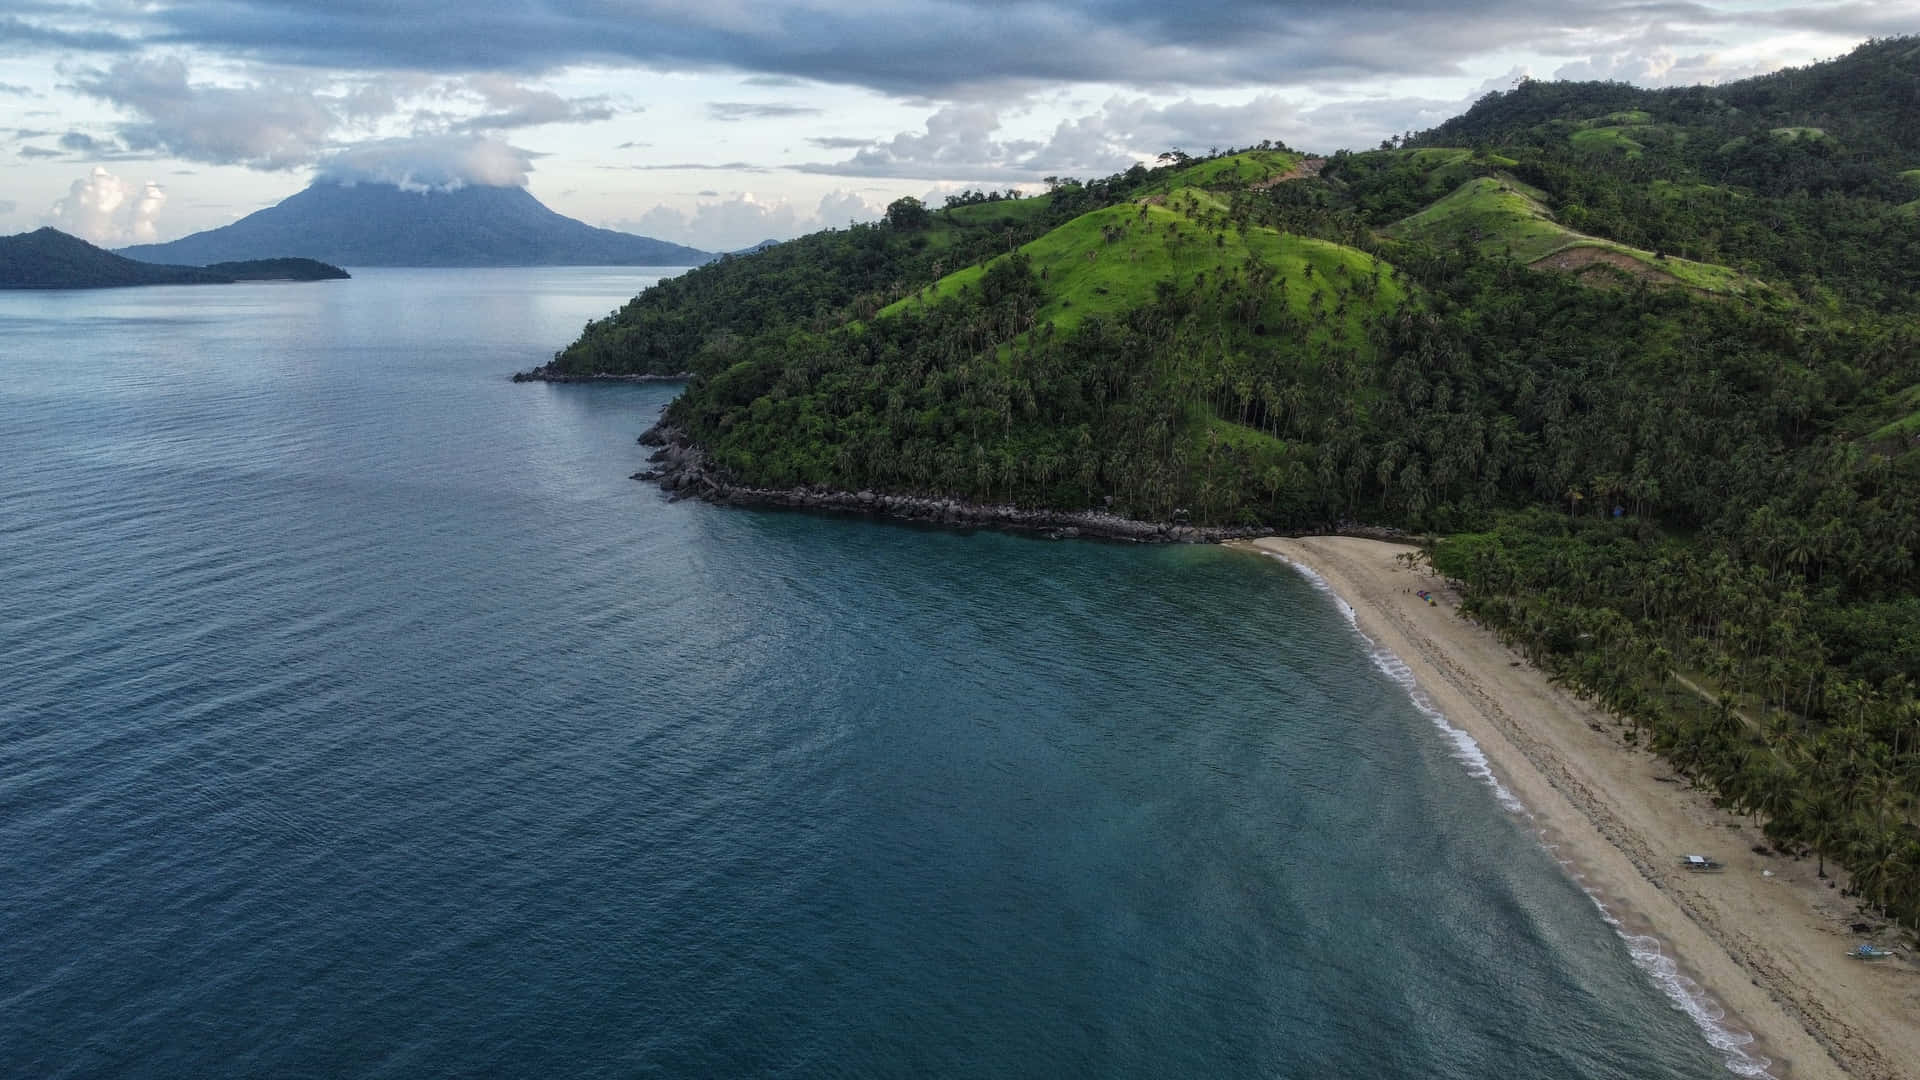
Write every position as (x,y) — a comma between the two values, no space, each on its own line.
(1733,1044)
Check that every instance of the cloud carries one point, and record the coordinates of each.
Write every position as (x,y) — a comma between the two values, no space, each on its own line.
(273,121)
(958,143)
(515,105)
(1660,67)
(8,206)
(633,146)
(17,31)
(20,91)
(941,49)
(108,210)
(740,221)
(695,166)
(81,143)
(1845,19)
(727,111)
(263,126)
(432,162)
(31,152)
(840,142)
(961,143)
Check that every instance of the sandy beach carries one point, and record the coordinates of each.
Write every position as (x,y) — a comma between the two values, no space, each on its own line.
(1766,940)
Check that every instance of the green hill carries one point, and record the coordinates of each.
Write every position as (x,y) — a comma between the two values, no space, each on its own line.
(50,259)
(1642,363)
(1505,217)
(1237,171)
(1112,261)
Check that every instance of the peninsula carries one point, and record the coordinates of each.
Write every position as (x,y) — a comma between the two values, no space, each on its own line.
(1642,366)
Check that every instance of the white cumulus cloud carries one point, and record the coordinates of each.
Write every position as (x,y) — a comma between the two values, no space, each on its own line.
(742,220)
(440,162)
(258,124)
(109,210)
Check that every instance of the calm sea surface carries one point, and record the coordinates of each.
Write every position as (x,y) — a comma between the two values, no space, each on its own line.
(360,717)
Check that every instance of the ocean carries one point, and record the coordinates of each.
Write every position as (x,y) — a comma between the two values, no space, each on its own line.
(359,716)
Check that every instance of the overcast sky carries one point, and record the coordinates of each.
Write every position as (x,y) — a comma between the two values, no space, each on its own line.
(722,122)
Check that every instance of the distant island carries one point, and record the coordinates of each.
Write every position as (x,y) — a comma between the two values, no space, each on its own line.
(50,259)
(282,269)
(371,224)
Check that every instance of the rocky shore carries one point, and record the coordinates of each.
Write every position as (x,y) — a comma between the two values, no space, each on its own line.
(548,373)
(682,470)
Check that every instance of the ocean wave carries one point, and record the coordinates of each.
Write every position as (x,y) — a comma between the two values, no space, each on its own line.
(1461,745)
(1733,1044)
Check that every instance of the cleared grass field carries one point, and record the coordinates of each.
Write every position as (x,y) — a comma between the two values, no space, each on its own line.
(1111,261)
(1018,211)
(1606,140)
(1501,216)
(1906,409)
(1236,170)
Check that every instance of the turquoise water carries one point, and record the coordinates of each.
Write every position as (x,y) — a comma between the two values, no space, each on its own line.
(359,716)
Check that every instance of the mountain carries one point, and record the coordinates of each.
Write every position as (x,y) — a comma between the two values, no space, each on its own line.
(50,259)
(1643,364)
(384,225)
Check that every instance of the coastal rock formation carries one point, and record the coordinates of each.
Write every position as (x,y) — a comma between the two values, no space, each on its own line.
(552,373)
(682,470)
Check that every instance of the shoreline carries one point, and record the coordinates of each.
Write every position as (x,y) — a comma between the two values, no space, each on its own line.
(681,470)
(1758,951)
(545,373)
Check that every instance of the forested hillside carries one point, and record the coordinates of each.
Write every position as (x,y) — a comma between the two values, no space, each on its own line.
(1646,363)
(50,259)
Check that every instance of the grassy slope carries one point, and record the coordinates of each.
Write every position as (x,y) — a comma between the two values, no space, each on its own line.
(1607,140)
(1235,170)
(1615,133)
(1085,273)
(1006,211)
(1441,169)
(1504,216)
(1903,407)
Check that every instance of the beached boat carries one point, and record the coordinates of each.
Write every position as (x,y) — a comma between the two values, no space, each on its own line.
(1700,864)
(1869,952)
